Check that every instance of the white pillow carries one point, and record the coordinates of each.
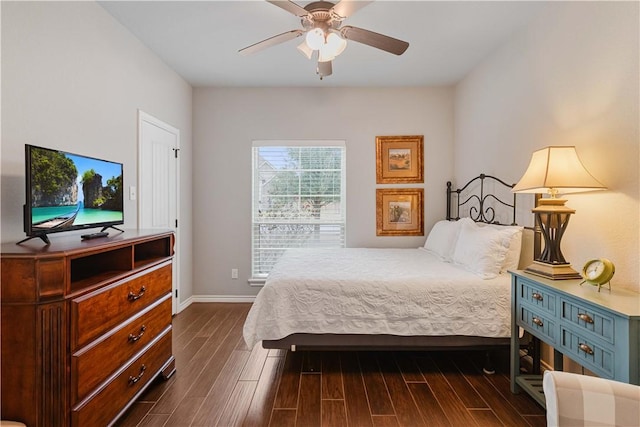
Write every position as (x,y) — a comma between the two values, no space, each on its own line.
(481,250)
(442,239)
(512,260)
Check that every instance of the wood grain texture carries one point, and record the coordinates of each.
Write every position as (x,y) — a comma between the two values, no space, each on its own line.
(69,300)
(257,387)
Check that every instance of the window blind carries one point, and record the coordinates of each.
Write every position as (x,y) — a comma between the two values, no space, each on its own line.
(298,199)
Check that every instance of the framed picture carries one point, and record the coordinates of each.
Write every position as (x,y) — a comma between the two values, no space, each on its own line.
(399,159)
(399,212)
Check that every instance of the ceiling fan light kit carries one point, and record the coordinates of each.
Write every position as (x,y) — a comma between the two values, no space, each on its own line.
(322,23)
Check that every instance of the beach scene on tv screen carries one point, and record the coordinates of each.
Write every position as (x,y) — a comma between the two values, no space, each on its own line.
(69,190)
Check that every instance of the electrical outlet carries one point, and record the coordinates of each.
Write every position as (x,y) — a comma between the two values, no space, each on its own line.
(234,273)
(132,192)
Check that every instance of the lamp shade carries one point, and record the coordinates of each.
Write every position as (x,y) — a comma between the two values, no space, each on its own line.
(556,169)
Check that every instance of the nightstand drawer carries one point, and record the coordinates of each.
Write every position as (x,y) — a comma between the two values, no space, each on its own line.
(589,319)
(588,353)
(537,297)
(538,324)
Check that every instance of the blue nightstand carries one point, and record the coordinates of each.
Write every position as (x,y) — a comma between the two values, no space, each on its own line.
(598,330)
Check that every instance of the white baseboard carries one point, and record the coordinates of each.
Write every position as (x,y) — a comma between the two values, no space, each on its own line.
(223,298)
(184,304)
(214,298)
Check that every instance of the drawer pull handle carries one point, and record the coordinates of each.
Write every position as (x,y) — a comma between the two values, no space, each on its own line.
(585,317)
(585,348)
(133,297)
(134,338)
(133,380)
(536,296)
(537,321)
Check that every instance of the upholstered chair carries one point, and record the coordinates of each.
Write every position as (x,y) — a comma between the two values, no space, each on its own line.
(581,400)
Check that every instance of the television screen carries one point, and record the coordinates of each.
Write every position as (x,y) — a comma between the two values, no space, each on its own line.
(66,191)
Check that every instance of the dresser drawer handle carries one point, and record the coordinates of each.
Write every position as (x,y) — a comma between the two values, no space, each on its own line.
(585,317)
(536,296)
(585,348)
(537,321)
(133,297)
(133,380)
(134,338)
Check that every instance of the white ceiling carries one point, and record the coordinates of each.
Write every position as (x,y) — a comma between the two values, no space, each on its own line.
(200,40)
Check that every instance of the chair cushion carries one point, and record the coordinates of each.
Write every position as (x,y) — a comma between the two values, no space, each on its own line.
(581,400)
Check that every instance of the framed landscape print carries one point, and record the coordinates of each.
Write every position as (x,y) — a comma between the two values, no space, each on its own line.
(399,159)
(399,212)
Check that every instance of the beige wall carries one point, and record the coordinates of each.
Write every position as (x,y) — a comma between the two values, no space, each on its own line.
(74,79)
(226,121)
(570,79)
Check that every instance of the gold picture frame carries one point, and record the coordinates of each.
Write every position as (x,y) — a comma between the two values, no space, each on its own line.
(399,159)
(399,212)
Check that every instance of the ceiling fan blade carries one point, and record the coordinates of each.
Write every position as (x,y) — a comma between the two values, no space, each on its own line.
(324,69)
(379,41)
(290,7)
(272,41)
(346,8)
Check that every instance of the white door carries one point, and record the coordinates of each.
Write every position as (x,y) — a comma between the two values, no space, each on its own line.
(158,148)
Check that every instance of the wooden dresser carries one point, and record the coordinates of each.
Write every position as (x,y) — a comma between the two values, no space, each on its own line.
(86,326)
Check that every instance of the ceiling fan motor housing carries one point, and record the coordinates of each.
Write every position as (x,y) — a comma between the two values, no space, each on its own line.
(321,16)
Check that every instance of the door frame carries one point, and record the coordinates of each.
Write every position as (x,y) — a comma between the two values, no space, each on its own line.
(148,118)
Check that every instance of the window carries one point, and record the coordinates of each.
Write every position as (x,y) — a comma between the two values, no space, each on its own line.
(298,199)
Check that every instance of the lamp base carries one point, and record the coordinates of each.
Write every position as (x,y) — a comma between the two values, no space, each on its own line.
(553,271)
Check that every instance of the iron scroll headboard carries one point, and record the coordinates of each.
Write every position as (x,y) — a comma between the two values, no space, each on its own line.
(479,203)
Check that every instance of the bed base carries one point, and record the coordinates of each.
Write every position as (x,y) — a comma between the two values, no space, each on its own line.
(354,342)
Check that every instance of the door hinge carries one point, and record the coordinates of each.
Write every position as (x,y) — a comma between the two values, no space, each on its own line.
(176,293)
(176,223)
(175,152)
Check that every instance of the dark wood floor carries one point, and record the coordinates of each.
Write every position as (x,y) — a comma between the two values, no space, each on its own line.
(219,382)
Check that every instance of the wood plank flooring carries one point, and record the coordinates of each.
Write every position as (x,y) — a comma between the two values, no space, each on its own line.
(219,382)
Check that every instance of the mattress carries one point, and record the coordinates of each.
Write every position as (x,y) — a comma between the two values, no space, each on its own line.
(403,292)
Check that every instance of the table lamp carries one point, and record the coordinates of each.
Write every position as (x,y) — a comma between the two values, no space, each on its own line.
(554,170)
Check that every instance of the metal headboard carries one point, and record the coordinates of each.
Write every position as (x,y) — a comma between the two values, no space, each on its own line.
(475,202)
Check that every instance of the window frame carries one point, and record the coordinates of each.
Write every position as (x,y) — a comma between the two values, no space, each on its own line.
(259,279)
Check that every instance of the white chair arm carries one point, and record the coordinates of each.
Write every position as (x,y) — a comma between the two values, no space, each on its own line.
(581,400)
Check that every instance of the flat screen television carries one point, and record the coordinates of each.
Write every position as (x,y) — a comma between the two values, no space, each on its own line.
(66,191)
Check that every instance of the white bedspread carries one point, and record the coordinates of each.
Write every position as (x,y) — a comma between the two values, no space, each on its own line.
(376,291)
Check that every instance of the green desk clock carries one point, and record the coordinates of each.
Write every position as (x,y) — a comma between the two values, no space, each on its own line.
(598,272)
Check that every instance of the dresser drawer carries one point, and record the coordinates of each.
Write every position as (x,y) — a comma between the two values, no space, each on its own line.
(589,319)
(95,313)
(94,363)
(537,323)
(536,296)
(599,358)
(109,400)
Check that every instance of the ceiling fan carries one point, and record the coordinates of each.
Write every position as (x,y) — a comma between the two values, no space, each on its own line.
(324,33)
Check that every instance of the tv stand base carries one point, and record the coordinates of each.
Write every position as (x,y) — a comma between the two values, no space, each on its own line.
(44,238)
(111,226)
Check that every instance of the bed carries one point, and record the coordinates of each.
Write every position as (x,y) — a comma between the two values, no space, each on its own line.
(453,292)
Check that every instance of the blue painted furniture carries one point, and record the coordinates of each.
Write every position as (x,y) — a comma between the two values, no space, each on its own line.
(598,330)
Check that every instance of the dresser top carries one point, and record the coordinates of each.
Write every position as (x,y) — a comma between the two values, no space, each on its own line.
(63,242)
(622,301)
